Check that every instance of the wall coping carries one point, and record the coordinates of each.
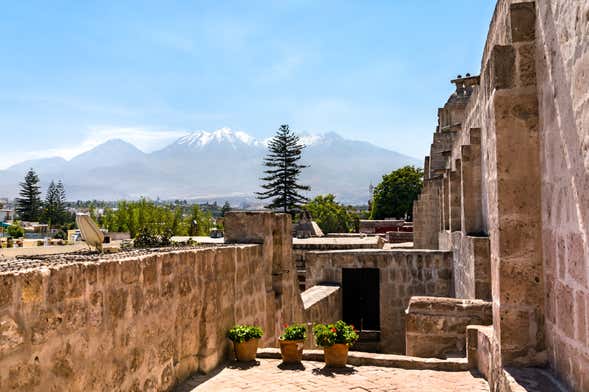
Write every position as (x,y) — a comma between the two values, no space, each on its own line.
(64,260)
(359,358)
(383,251)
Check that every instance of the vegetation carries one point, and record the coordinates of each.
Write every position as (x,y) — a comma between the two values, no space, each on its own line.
(331,216)
(281,181)
(339,333)
(394,196)
(28,205)
(148,218)
(294,332)
(54,211)
(243,333)
(15,230)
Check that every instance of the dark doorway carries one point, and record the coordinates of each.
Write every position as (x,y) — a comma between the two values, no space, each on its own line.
(361,287)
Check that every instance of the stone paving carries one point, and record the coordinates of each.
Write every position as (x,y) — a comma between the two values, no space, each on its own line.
(272,375)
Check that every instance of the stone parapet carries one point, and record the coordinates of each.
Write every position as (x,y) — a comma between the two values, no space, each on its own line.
(139,320)
(436,327)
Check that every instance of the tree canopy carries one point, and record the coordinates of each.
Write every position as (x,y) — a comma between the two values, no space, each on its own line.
(331,216)
(28,205)
(54,211)
(394,196)
(146,216)
(281,180)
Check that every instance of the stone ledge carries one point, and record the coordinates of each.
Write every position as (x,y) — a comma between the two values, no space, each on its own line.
(317,293)
(357,358)
(442,305)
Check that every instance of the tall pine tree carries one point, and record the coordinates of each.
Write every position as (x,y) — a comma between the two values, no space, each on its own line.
(54,207)
(281,181)
(28,205)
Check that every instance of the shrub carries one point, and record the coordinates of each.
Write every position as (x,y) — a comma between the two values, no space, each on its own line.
(243,333)
(15,230)
(329,334)
(294,332)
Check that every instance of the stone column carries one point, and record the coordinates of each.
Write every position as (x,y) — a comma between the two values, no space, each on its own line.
(454,197)
(514,194)
(471,211)
(274,233)
(445,200)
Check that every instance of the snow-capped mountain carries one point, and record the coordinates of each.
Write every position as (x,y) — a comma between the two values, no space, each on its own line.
(209,165)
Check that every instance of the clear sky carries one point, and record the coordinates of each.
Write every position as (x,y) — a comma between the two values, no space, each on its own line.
(75,73)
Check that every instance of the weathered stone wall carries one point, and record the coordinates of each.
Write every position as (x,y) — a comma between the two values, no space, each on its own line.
(562,35)
(471,266)
(139,320)
(436,327)
(427,218)
(403,274)
(524,133)
(322,304)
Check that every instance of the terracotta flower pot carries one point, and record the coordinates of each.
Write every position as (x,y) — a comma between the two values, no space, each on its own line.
(246,351)
(336,355)
(292,350)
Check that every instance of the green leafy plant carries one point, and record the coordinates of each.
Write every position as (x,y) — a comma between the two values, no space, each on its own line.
(294,332)
(15,230)
(243,333)
(329,334)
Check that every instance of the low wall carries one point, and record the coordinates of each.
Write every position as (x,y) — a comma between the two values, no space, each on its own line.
(472,266)
(140,320)
(403,274)
(322,304)
(436,327)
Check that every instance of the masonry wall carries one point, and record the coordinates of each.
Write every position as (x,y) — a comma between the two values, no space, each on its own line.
(563,90)
(141,320)
(436,327)
(403,274)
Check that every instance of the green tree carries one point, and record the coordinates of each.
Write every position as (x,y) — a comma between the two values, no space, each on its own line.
(28,205)
(281,183)
(394,196)
(54,212)
(200,222)
(225,209)
(15,230)
(331,216)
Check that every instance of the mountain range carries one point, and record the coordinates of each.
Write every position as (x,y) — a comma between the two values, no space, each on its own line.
(219,165)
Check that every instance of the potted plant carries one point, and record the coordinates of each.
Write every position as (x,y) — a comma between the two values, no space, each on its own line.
(292,342)
(245,340)
(335,340)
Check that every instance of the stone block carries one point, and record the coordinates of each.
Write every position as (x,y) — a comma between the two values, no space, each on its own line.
(24,376)
(32,290)
(130,271)
(576,260)
(149,270)
(502,67)
(526,64)
(6,289)
(565,306)
(523,21)
(11,336)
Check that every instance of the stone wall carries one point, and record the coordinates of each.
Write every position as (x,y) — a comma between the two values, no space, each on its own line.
(521,155)
(436,327)
(140,320)
(403,274)
(563,89)
(322,304)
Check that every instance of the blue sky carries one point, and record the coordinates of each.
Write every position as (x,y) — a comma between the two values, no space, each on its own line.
(74,74)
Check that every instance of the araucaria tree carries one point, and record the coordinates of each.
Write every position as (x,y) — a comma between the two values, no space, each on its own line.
(54,211)
(28,205)
(281,180)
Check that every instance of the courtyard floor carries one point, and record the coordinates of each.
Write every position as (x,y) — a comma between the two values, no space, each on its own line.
(272,375)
